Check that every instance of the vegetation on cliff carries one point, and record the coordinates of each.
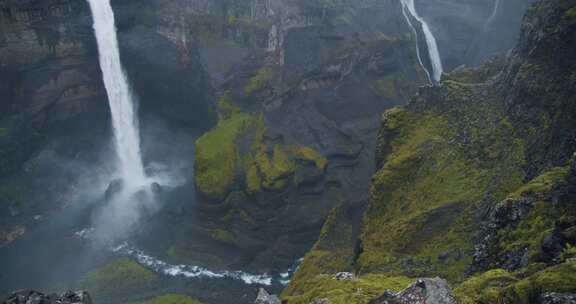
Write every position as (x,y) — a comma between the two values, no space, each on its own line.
(474,181)
(237,151)
(116,277)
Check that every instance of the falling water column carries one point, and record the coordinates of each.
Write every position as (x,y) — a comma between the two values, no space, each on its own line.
(124,117)
(432,45)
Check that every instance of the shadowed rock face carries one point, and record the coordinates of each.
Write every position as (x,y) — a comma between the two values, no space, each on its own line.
(299,88)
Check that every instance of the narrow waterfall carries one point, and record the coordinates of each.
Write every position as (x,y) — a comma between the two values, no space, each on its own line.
(124,116)
(493,15)
(408,6)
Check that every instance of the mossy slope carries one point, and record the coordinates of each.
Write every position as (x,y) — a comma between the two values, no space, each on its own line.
(474,167)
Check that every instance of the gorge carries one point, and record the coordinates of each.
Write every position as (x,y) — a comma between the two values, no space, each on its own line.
(375,151)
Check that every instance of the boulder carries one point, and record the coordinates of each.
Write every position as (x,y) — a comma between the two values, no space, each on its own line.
(35,297)
(344,276)
(265,298)
(423,291)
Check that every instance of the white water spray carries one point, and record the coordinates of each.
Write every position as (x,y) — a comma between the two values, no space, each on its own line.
(433,52)
(124,118)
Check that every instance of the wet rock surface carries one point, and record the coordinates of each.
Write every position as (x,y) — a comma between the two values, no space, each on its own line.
(34,297)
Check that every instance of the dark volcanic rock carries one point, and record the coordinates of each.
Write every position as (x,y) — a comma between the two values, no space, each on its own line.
(424,291)
(557,298)
(34,297)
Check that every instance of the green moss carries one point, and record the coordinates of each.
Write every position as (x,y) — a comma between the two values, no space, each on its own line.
(544,183)
(266,169)
(116,277)
(541,219)
(358,291)
(332,253)
(559,278)
(253,180)
(438,166)
(223,236)
(169,299)
(217,155)
(483,288)
(259,81)
(239,214)
(571,13)
(226,107)
(386,87)
(568,253)
(307,153)
(530,231)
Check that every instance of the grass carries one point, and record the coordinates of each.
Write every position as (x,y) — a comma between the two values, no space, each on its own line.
(259,81)
(116,277)
(358,291)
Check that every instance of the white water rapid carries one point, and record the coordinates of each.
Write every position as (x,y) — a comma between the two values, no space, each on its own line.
(124,116)
(433,52)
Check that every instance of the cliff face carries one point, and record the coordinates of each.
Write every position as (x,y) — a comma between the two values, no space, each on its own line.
(296,87)
(299,113)
(474,183)
(54,113)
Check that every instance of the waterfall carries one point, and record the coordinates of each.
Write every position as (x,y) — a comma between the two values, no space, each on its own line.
(408,6)
(121,101)
(493,16)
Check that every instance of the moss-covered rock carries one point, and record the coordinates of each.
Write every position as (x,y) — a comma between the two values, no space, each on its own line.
(500,286)
(484,288)
(217,155)
(118,276)
(237,152)
(358,290)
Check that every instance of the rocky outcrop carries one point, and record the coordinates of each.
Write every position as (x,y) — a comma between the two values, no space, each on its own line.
(424,291)
(473,180)
(29,296)
(265,298)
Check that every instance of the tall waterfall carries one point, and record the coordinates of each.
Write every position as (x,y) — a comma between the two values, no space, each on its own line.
(124,116)
(433,52)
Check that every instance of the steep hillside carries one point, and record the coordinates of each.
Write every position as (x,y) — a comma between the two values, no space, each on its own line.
(474,183)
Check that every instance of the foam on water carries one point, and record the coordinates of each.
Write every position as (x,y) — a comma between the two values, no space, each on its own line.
(189,271)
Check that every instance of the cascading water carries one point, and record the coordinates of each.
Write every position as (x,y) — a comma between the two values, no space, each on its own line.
(408,6)
(493,16)
(124,117)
